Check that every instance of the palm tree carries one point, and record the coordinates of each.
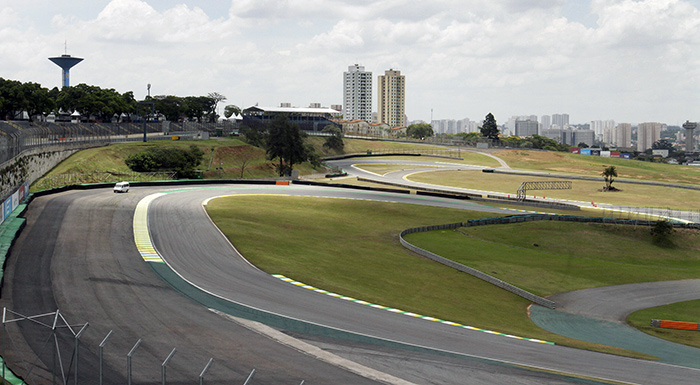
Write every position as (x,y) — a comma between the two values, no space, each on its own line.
(609,174)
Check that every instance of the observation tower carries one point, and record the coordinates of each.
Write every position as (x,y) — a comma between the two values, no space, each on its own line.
(66,62)
(689,128)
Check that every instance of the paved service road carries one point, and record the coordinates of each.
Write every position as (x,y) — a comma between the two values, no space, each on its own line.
(88,266)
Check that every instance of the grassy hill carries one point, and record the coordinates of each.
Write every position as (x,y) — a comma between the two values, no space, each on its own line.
(223,159)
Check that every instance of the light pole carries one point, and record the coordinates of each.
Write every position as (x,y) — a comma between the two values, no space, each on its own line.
(144,118)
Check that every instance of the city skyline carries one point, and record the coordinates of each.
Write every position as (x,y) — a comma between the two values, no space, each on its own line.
(631,61)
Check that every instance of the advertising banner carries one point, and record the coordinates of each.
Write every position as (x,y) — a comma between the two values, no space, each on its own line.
(595,152)
(585,151)
(614,154)
(22,193)
(605,154)
(6,208)
(575,150)
(13,201)
(625,156)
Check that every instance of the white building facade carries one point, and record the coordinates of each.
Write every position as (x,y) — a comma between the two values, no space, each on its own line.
(357,93)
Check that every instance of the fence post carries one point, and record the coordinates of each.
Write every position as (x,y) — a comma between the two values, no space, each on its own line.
(250,376)
(165,364)
(77,344)
(128,361)
(101,347)
(206,368)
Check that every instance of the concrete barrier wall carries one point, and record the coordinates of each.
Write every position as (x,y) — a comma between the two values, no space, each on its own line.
(31,164)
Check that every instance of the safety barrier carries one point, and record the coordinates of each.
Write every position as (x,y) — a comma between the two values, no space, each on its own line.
(675,325)
(476,273)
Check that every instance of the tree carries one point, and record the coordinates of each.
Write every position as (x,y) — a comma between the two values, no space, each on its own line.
(490,128)
(37,100)
(231,110)
(173,107)
(335,141)
(255,133)
(662,144)
(285,142)
(216,98)
(609,174)
(661,231)
(197,107)
(419,131)
(161,158)
(582,145)
(11,100)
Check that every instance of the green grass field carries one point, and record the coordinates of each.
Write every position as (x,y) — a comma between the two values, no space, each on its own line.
(688,311)
(588,191)
(566,163)
(307,239)
(223,159)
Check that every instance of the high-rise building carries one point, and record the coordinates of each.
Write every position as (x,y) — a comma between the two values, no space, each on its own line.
(391,107)
(561,120)
(545,122)
(647,134)
(525,127)
(357,93)
(622,135)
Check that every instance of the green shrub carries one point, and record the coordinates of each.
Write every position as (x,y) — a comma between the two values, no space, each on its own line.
(166,159)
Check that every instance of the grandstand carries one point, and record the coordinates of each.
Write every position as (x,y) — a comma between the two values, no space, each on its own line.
(17,136)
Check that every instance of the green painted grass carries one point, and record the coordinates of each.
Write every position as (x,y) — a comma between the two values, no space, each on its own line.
(351,247)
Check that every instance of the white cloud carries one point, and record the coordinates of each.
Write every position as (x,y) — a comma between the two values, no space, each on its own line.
(469,57)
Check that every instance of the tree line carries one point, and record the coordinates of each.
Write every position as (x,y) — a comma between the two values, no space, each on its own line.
(99,103)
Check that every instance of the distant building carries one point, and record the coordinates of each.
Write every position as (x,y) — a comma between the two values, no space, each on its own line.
(391,107)
(526,127)
(308,119)
(622,135)
(357,93)
(583,136)
(560,120)
(647,134)
(545,122)
(603,130)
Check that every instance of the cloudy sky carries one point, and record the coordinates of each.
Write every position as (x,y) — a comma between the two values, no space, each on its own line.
(628,60)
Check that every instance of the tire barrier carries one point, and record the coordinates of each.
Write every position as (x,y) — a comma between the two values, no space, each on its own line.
(675,325)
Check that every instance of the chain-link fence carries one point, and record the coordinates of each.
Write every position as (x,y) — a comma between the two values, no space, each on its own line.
(650,214)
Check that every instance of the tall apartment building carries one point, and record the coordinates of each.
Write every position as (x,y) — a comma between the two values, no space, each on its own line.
(357,93)
(392,99)
(647,134)
(560,120)
(603,130)
(545,122)
(622,135)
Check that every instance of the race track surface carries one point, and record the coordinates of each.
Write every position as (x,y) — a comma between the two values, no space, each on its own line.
(77,254)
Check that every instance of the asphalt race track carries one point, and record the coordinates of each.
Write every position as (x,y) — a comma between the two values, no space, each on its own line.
(77,254)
